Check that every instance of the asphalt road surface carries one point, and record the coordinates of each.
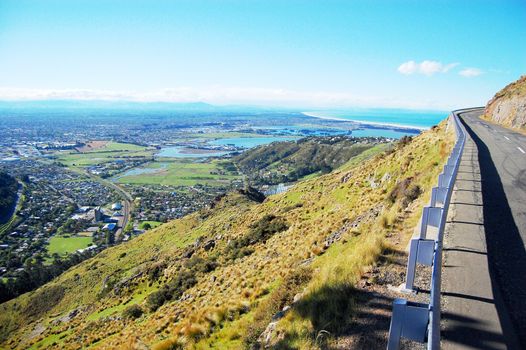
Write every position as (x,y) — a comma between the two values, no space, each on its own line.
(485,264)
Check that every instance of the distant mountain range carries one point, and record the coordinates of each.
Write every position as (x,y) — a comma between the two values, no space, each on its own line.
(127,105)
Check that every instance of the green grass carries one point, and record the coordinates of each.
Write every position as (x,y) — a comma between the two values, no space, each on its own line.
(110,152)
(153,224)
(49,340)
(67,245)
(181,173)
(114,309)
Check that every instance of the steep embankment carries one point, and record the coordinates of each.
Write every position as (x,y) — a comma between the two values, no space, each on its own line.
(508,106)
(8,191)
(222,277)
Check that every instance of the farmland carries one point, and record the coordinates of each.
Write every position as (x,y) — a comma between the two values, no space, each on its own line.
(180,172)
(110,152)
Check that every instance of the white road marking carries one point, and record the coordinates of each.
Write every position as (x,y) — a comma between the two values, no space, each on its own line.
(506,138)
(520,149)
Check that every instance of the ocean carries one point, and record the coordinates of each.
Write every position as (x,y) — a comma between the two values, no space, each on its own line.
(393,117)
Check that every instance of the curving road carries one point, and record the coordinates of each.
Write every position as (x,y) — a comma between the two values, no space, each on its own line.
(484,283)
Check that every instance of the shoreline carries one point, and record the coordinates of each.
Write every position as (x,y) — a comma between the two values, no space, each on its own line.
(364,122)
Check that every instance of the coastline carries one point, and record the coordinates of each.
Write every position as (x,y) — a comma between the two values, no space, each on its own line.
(364,122)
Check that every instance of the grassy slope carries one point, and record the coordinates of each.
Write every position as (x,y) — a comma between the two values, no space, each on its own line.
(232,304)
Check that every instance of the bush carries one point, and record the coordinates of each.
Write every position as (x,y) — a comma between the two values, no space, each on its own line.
(260,231)
(411,194)
(155,271)
(173,290)
(199,264)
(156,299)
(404,141)
(132,311)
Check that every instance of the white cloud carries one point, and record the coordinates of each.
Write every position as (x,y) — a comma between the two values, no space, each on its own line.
(470,72)
(408,67)
(426,67)
(221,95)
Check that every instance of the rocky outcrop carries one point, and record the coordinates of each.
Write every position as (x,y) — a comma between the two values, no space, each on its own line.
(508,106)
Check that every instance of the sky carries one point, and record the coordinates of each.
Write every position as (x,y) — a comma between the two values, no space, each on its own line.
(436,55)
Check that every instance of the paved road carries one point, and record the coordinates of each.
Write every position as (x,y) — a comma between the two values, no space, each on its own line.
(127,206)
(127,199)
(484,283)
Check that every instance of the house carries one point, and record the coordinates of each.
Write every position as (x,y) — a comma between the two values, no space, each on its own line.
(116,206)
(110,227)
(98,214)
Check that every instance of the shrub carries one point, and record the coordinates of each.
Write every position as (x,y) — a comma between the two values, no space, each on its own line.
(411,194)
(404,141)
(155,271)
(183,281)
(260,231)
(403,190)
(156,299)
(132,311)
(173,290)
(199,264)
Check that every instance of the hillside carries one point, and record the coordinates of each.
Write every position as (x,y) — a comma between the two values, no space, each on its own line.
(8,190)
(287,267)
(289,161)
(508,106)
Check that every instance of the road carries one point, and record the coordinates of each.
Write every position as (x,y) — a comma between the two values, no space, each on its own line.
(484,285)
(127,206)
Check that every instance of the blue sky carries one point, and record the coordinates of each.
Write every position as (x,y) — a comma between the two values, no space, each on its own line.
(411,54)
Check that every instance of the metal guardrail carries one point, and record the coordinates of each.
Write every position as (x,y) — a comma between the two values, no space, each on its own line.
(418,321)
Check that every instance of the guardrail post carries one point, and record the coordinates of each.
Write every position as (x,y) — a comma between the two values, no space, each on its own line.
(411,265)
(438,196)
(431,216)
(395,329)
(421,251)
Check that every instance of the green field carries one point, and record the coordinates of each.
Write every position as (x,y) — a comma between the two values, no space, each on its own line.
(181,173)
(91,158)
(66,245)
(153,224)
(117,146)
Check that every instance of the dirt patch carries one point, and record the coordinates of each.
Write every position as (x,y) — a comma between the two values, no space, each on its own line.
(92,146)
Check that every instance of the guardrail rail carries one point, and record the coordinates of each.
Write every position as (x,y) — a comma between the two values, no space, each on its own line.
(420,321)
